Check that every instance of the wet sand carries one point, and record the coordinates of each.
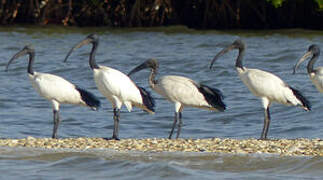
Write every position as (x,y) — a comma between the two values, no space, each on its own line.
(283,147)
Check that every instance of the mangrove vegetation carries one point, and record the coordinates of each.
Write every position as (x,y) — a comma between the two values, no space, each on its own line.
(199,14)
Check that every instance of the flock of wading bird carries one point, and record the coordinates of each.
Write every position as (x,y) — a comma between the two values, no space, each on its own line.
(119,89)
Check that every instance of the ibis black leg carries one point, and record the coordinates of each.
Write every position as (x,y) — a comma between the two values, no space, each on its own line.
(116,116)
(179,127)
(174,124)
(56,123)
(266,124)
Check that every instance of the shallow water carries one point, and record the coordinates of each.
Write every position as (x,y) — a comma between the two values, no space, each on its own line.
(180,51)
(99,164)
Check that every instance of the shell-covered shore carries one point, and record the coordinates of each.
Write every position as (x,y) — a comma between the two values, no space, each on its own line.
(283,147)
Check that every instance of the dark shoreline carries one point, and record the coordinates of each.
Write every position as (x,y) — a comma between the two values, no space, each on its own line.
(205,14)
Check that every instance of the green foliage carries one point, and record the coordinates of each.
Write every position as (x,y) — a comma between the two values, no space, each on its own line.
(320,3)
(276,3)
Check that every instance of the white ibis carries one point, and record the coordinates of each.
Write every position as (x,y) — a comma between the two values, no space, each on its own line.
(269,87)
(182,92)
(316,75)
(117,87)
(55,89)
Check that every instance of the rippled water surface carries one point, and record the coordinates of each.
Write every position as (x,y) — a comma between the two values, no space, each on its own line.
(180,51)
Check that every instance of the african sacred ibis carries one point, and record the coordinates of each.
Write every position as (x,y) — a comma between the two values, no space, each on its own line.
(269,87)
(316,75)
(182,92)
(117,87)
(55,89)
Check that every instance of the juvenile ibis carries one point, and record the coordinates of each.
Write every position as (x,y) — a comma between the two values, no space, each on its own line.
(117,87)
(265,85)
(182,92)
(316,75)
(55,89)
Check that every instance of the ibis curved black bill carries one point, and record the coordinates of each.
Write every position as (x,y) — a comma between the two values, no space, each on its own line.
(221,53)
(24,51)
(302,59)
(150,63)
(80,44)
(138,68)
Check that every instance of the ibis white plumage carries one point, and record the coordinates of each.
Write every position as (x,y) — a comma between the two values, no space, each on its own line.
(55,89)
(117,87)
(182,92)
(316,75)
(269,87)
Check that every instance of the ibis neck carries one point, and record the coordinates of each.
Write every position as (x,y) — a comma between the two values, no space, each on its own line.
(152,80)
(239,58)
(31,62)
(92,60)
(310,65)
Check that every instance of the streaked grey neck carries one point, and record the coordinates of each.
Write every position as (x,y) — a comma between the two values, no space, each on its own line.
(31,62)
(240,57)
(310,65)
(92,60)
(152,80)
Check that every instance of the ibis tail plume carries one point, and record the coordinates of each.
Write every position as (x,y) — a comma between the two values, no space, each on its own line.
(316,75)
(117,87)
(55,89)
(265,85)
(182,92)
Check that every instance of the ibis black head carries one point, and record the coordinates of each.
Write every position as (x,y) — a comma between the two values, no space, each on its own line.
(313,51)
(150,63)
(237,44)
(92,38)
(28,49)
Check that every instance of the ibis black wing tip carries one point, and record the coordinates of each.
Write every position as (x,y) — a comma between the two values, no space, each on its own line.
(148,100)
(90,99)
(213,96)
(306,104)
